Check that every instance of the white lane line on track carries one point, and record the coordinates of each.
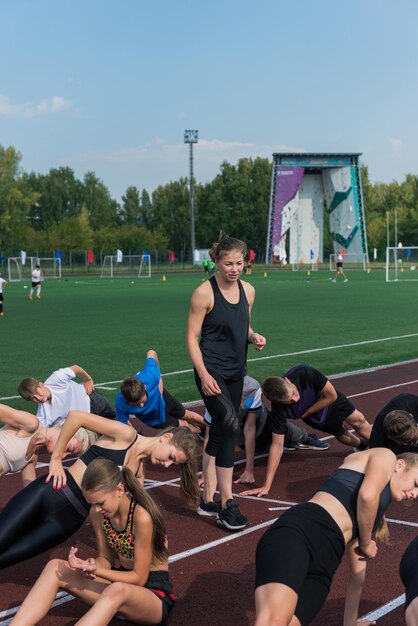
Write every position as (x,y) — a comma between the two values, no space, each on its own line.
(286,354)
(386,608)
(65,597)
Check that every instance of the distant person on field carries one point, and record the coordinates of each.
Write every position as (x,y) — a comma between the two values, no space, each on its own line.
(60,394)
(3,284)
(339,269)
(395,426)
(36,282)
(305,393)
(144,397)
(206,266)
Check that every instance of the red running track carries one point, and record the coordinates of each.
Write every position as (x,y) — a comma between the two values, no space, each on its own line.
(213,570)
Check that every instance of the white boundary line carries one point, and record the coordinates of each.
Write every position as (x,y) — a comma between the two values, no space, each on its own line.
(279,356)
(63,597)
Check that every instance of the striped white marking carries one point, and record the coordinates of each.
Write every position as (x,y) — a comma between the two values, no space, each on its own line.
(386,608)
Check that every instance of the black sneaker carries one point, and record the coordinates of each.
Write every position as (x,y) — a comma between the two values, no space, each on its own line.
(209,509)
(231,517)
(313,443)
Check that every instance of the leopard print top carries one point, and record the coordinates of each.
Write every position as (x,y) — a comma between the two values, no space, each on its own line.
(122,542)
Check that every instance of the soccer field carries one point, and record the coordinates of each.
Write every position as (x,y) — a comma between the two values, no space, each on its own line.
(107,325)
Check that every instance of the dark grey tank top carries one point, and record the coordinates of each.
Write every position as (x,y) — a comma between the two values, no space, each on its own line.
(224,335)
(344,484)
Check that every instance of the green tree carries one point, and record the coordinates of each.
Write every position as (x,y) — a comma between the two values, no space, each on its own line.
(73,233)
(102,210)
(170,204)
(131,209)
(15,200)
(60,196)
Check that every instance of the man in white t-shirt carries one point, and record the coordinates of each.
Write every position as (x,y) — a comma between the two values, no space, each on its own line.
(60,394)
(36,282)
(3,283)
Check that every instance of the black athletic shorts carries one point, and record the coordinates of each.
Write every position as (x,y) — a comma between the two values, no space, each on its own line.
(408,570)
(302,550)
(174,411)
(337,413)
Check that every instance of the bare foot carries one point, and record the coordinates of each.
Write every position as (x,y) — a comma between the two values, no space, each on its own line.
(247,478)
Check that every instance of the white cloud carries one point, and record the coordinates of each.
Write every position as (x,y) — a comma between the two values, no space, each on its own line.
(396,144)
(157,162)
(46,106)
(205,151)
(7,108)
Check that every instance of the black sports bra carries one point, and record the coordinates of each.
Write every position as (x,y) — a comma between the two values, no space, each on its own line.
(344,484)
(117,456)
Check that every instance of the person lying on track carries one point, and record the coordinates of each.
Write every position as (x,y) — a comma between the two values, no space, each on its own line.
(17,435)
(129,576)
(298,556)
(52,508)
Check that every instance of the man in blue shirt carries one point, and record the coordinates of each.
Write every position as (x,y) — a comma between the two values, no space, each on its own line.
(145,397)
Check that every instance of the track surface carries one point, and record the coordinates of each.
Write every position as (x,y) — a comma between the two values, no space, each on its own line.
(213,570)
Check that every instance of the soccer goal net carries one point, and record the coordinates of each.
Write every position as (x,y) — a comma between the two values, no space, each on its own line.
(138,265)
(353,260)
(401,263)
(18,270)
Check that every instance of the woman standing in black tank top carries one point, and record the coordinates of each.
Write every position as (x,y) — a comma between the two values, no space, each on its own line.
(220,315)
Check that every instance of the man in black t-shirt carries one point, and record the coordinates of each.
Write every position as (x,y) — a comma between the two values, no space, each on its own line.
(395,426)
(305,393)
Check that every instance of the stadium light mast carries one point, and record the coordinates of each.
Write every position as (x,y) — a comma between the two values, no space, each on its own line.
(191,137)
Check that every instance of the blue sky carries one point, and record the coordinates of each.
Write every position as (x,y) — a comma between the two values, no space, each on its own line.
(110,85)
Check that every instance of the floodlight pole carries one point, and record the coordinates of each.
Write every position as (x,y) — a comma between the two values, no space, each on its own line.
(191,137)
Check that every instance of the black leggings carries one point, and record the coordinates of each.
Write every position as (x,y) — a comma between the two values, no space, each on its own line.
(224,430)
(36,519)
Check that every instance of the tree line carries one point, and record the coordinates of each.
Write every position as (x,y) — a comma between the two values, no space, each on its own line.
(57,211)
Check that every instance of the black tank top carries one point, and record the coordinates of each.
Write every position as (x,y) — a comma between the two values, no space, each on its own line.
(73,492)
(224,335)
(344,484)
(117,456)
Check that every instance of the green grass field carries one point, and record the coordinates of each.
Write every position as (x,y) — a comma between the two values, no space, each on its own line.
(106,326)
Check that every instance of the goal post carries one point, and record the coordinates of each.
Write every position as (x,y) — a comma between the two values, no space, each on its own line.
(401,263)
(353,260)
(136,265)
(20,271)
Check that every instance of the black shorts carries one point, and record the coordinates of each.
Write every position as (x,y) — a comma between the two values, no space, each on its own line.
(159,584)
(408,571)
(35,285)
(174,411)
(337,413)
(302,550)
(1,297)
